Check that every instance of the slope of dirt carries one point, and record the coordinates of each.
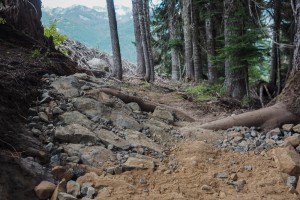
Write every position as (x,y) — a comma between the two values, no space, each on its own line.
(22,63)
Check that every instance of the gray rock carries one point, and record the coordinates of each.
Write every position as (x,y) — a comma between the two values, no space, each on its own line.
(298,149)
(127,122)
(54,160)
(68,86)
(90,155)
(221,175)
(273,132)
(90,107)
(84,187)
(90,192)
(134,107)
(137,139)
(65,196)
(73,159)
(163,114)
(36,132)
(75,133)
(248,168)
(239,185)
(291,181)
(73,188)
(49,147)
(43,116)
(253,133)
(108,137)
(75,117)
(110,170)
(57,111)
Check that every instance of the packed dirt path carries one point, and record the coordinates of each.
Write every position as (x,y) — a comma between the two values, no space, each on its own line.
(194,168)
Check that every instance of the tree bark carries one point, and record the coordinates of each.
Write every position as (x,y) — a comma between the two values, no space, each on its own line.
(198,73)
(210,46)
(117,62)
(188,46)
(141,68)
(235,70)
(275,57)
(173,39)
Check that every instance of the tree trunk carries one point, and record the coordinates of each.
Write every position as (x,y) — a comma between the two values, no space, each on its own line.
(210,46)
(188,46)
(235,71)
(117,62)
(141,68)
(173,39)
(287,107)
(275,57)
(148,36)
(196,42)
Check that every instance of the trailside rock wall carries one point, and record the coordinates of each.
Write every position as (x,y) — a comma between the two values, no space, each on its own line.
(25,16)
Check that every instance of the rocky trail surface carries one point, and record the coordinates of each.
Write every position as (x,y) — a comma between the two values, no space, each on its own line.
(103,148)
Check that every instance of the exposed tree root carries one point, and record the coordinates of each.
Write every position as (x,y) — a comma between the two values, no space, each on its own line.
(266,118)
(145,105)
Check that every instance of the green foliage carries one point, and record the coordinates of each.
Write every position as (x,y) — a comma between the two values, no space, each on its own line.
(51,30)
(40,55)
(205,91)
(2,20)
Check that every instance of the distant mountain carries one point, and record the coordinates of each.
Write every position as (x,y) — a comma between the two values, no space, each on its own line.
(90,26)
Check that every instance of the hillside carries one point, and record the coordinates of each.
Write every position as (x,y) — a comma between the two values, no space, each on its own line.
(90,26)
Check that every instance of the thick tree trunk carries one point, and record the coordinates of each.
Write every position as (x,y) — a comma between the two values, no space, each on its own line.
(188,46)
(173,39)
(117,62)
(148,36)
(210,46)
(196,42)
(275,57)
(141,69)
(287,108)
(235,72)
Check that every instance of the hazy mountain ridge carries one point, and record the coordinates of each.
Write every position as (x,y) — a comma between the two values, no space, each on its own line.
(90,26)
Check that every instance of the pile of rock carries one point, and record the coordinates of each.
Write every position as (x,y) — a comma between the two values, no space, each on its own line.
(244,139)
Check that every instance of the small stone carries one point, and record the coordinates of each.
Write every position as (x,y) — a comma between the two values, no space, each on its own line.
(110,147)
(118,170)
(44,190)
(57,111)
(85,87)
(234,177)
(221,175)
(36,132)
(110,170)
(206,187)
(288,127)
(298,149)
(84,187)
(73,188)
(54,160)
(296,128)
(43,116)
(239,185)
(291,181)
(65,196)
(73,159)
(248,168)
(273,132)
(90,192)
(49,147)
(253,134)
(292,140)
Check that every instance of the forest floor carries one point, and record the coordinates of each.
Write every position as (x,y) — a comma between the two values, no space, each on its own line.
(193,168)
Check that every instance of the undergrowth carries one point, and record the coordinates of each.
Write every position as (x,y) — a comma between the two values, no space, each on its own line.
(206,92)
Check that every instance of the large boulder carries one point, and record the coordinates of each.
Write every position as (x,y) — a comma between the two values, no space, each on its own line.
(75,117)
(68,86)
(287,160)
(44,190)
(75,133)
(108,137)
(90,155)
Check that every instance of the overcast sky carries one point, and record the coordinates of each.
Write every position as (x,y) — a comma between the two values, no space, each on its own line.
(88,3)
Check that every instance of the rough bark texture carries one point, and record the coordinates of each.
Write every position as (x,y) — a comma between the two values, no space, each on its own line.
(275,61)
(235,72)
(196,42)
(117,62)
(141,69)
(286,108)
(173,37)
(210,46)
(188,46)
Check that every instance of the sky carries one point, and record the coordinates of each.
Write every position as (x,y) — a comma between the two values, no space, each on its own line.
(88,3)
